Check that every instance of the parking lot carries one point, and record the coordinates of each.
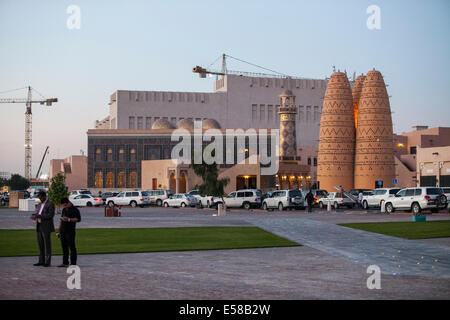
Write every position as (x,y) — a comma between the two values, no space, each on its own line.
(331,263)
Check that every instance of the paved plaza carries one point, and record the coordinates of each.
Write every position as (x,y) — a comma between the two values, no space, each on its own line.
(331,263)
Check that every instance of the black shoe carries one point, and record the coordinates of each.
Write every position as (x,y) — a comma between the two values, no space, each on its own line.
(38,264)
(46,265)
(63,265)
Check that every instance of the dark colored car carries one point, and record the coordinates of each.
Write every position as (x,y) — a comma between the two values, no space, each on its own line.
(318,194)
(106,195)
(4,198)
(355,192)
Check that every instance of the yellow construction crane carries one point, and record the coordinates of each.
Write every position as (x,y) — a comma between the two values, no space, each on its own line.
(204,71)
(28,122)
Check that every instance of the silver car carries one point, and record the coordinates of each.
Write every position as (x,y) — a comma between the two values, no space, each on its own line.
(336,200)
(284,199)
(132,198)
(158,196)
(180,200)
(247,199)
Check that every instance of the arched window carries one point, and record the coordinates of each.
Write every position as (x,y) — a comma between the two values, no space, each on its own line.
(132,179)
(121,155)
(121,179)
(110,179)
(98,179)
(110,155)
(98,154)
(133,154)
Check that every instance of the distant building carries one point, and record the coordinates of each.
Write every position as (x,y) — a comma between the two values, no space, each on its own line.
(5,175)
(139,125)
(237,102)
(74,168)
(428,168)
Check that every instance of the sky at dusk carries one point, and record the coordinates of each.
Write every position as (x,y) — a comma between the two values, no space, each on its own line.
(153,45)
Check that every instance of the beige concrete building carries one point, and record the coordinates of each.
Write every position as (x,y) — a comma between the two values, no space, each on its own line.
(74,168)
(406,148)
(236,102)
(433,166)
(180,178)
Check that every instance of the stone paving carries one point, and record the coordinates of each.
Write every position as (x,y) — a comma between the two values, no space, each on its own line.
(331,264)
(393,255)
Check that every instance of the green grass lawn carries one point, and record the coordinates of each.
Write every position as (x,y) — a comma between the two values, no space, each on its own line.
(406,230)
(91,241)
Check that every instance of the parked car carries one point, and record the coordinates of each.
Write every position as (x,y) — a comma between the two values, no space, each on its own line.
(4,198)
(355,192)
(318,194)
(284,199)
(86,200)
(36,199)
(247,199)
(447,193)
(378,196)
(337,200)
(204,201)
(78,192)
(267,194)
(132,198)
(180,200)
(418,199)
(106,195)
(158,196)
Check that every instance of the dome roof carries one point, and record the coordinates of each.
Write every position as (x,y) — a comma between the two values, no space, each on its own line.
(287,92)
(210,124)
(162,124)
(185,124)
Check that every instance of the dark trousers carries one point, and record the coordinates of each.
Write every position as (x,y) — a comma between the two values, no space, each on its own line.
(68,242)
(45,246)
(310,205)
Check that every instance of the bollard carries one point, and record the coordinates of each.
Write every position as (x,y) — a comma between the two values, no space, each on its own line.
(383,207)
(329,206)
(221,210)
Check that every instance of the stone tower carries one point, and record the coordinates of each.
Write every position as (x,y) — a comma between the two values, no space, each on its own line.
(374,155)
(356,93)
(337,135)
(287,111)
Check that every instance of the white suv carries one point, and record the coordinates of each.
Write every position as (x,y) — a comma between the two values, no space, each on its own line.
(246,199)
(75,193)
(132,198)
(378,197)
(418,199)
(158,196)
(283,199)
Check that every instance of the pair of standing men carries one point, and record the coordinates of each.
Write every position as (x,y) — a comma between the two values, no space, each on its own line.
(44,227)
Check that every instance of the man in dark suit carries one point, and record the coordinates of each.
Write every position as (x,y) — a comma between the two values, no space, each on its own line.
(69,217)
(44,227)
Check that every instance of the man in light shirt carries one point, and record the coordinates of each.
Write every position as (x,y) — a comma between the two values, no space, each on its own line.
(360,199)
(44,227)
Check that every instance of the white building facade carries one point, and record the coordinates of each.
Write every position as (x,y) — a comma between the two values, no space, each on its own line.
(236,102)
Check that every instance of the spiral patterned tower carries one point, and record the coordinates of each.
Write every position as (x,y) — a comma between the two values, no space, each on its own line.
(374,155)
(287,111)
(356,93)
(337,135)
